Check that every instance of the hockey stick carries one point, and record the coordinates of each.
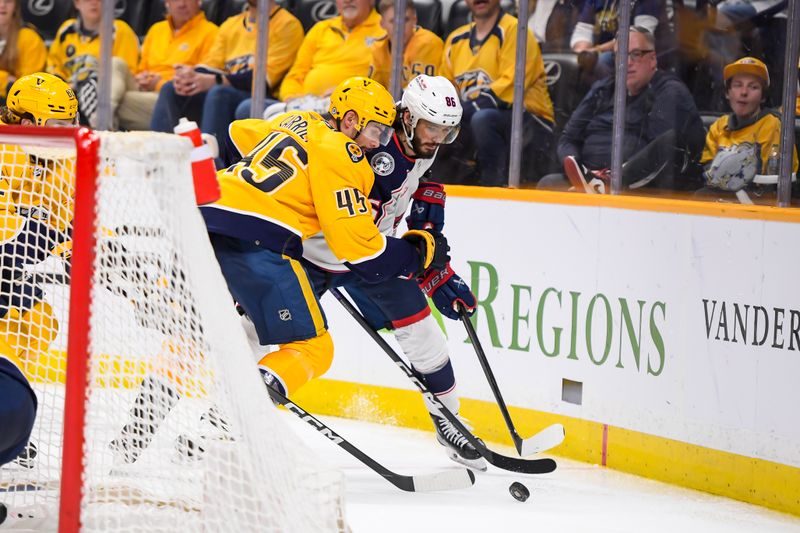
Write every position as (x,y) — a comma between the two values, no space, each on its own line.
(513,464)
(549,437)
(445,480)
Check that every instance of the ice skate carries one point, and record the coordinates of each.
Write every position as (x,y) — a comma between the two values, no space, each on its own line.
(458,448)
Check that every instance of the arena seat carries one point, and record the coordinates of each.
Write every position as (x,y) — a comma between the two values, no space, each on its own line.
(709,117)
(227,9)
(563,84)
(429,15)
(312,11)
(46,17)
(458,16)
(134,12)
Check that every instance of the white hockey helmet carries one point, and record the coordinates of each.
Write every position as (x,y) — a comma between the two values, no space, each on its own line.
(435,100)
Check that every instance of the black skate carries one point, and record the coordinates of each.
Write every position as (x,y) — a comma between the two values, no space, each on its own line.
(458,447)
(212,427)
(25,517)
(27,457)
(272,381)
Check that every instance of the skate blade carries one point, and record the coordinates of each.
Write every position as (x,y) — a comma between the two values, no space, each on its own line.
(475,464)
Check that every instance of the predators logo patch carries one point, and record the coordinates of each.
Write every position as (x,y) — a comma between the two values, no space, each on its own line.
(355,152)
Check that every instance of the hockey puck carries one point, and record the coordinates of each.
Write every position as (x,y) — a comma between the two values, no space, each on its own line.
(519,491)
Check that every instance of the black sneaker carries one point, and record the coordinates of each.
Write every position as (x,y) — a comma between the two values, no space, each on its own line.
(585,180)
(458,447)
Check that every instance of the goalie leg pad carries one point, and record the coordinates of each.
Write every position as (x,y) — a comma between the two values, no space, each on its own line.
(296,363)
(17,411)
(41,327)
(30,331)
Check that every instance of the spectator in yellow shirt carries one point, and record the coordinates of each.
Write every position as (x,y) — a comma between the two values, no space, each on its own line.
(421,55)
(479,59)
(184,38)
(75,51)
(210,92)
(332,51)
(23,51)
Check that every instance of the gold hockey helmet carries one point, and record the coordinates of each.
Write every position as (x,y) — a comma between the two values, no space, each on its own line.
(369,99)
(43,97)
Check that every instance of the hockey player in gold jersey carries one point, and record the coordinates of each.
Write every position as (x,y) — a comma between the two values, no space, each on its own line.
(479,60)
(307,175)
(35,217)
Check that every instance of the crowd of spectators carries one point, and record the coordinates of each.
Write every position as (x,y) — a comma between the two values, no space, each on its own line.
(690,65)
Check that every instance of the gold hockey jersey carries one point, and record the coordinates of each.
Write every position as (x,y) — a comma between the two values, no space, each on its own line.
(474,65)
(763,133)
(234,48)
(74,52)
(299,178)
(330,54)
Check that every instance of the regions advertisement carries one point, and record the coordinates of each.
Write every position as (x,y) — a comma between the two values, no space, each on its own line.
(677,325)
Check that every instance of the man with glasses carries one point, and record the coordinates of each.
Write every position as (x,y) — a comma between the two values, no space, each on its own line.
(304,175)
(663,136)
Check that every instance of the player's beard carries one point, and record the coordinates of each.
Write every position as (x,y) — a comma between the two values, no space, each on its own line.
(422,152)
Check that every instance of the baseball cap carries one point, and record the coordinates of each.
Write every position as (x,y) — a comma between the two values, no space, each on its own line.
(747,65)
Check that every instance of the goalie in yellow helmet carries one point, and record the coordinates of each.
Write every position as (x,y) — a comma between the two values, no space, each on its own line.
(40,99)
(303,174)
(36,194)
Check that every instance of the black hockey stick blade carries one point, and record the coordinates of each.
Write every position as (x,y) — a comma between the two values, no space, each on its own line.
(547,438)
(445,480)
(512,464)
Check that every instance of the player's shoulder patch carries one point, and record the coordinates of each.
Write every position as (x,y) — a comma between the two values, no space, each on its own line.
(354,151)
(382,163)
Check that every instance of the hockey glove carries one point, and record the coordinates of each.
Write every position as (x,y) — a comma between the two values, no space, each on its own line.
(427,210)
(448,291)
(432,247)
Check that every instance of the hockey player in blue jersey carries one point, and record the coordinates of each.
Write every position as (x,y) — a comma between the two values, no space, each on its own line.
(428,116)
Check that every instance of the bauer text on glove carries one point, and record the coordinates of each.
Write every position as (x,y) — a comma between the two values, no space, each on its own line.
(448,291)
(427,210)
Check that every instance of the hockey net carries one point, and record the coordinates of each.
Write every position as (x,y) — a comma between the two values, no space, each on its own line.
(133,336)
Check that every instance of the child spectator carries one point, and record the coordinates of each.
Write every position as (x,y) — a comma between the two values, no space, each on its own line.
(742,148)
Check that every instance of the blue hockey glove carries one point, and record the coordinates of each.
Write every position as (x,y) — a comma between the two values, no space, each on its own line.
(427,210)
(448,290)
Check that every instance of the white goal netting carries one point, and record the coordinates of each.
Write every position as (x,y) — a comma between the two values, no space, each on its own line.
(180,434)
